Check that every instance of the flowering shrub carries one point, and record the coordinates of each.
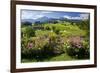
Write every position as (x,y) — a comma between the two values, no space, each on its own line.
(78,48)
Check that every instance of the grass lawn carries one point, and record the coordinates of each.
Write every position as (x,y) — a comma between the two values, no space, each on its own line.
(62,57)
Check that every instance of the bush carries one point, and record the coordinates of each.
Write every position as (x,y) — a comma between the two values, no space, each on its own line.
(79,53)
(26,24)
(57,31)
(78,49)
(31,53)
(27,32)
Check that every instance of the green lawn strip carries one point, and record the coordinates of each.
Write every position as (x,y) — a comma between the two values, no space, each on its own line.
(62,57)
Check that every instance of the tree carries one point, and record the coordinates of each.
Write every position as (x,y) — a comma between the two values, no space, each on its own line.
(48,28)
(84,24)
(28,31)
(26,23)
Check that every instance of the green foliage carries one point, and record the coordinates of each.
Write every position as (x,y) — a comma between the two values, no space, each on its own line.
(25,24)
(47,28)
(44,33)
(54,40)
(84,24)
(79,52)
(85,44)
(27,31)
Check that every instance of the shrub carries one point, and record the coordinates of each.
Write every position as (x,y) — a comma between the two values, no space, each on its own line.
(79,53)
(57,31)
(47,28)
(27,32)
(31,53)
(26,23)
(78,49)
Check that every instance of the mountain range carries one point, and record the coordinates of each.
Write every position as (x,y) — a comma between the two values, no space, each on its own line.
(46,19)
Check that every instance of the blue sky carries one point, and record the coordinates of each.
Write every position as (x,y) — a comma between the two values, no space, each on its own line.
(35,14)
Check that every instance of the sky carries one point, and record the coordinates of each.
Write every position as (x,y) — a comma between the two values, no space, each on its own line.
(35,14)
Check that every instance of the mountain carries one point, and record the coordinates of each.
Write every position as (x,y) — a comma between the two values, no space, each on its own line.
(46,19)
(43,19)
(28,20)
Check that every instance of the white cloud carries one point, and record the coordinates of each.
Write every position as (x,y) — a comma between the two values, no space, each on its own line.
(27,14)
(38,16)
(68,17)
(80,17)
(77,18)
(84,16)
(31,15)
(45,12)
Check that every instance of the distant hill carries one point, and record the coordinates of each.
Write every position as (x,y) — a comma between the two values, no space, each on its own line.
(46,19)
(28,20)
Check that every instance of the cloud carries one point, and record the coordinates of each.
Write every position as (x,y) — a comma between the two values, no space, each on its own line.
(46,12)
(84,16)
(38,16)
(33,14)
(80,17)
(76,18)
(41,14)
(68,17)
(27,14)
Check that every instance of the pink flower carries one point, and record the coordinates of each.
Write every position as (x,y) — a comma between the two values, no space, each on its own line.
(30,45)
